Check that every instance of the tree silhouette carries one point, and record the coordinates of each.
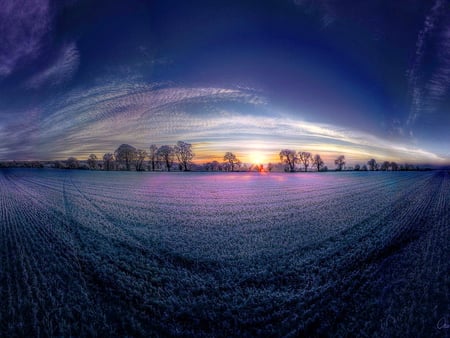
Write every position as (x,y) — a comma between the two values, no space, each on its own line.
(340,162)
(231,160)
(92,161)
(318,162)
(385,166)
(126,154)
(72,163)
(213,166)
(289,157)
(394,166)
(372,164)
(357,167)
(108,161)
(305,158)
(166,155)
(184,154)
(140,158)
(153,155)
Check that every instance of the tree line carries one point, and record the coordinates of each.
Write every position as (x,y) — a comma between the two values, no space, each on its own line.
(180,157)
(299,161)
(166,157)
(127,157)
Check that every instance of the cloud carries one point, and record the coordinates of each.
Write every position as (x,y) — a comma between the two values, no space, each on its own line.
(272,134)
(439,83)
(20,135)
(23,25)
(98,119)
(101,117)
(60,71)
(428,85)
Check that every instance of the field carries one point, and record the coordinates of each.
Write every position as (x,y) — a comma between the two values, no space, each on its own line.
(222,254)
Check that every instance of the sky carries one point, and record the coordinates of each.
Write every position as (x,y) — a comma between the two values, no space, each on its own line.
(361,79)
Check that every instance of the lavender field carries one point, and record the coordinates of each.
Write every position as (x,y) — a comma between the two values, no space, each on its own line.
(221,254)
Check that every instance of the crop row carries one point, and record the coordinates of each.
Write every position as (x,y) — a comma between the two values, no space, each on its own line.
(208,254)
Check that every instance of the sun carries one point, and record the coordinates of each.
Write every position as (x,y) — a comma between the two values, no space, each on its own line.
(256,158)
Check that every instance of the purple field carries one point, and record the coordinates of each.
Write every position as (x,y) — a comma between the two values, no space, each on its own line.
(220,254)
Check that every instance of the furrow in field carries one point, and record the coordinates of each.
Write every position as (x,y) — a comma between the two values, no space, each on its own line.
(48,227)
(35,191)
(287,227)
(52,270)
(380,246)
(339,262)
(209,255)
(16,269)
(415,284)
(112,263)
(361,195)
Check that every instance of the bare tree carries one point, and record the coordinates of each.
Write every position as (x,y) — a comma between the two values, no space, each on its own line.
(153,155)
(108,161)
(372,164)
(72,163)
(58,165)
(126,154)
(318,162)
(385,166)
(213,166)
(225,166)
(394,166)
(140,158)
(289,157)
(92,161)
(184,154)
(231,160)
(340,162)
(165,154)
(305,158)
(408,167)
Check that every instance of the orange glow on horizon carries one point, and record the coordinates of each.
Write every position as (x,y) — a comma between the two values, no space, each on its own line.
(250,157)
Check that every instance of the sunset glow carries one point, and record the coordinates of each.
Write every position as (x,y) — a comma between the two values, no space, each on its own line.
(323,79)
(224,168)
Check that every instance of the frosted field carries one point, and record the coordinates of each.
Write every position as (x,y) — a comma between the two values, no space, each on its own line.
(221,254)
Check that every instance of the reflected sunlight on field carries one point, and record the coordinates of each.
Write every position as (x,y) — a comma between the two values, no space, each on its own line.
(211,254)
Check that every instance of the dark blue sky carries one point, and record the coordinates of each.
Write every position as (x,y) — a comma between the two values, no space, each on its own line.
(359,78)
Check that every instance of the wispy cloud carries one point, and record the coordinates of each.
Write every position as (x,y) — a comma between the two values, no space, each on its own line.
(98,119)
(23,25)
(439,83)
(272,134)
(427,89)
(60,70)
(101,117)
(20,135)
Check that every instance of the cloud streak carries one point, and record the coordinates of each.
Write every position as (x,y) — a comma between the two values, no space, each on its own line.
(23,25)
(215,120)
(425,90)
(60,71)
